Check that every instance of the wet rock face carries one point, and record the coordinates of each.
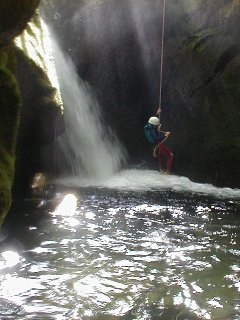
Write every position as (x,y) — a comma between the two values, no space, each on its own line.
(10,103)
(14,16)
(41,121)
(116,46)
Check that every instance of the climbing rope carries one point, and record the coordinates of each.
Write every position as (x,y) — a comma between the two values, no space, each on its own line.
(161,60)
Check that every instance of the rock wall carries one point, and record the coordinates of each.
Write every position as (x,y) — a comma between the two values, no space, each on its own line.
(10,105)
(202,89)
(31,115)
(41,119)
(20,12)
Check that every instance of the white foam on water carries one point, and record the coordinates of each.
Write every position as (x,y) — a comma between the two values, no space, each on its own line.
(145,180)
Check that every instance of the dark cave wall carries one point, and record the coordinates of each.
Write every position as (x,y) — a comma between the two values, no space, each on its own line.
(10,101)
(14,16)
(41,122)
(31,117)
(203,79)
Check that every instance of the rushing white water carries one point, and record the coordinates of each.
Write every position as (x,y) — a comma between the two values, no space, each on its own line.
(145,180)
(89,144)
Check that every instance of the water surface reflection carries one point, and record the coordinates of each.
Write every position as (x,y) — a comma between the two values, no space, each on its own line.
(110,254)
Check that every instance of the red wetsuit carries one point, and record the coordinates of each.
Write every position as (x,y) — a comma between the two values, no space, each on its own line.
(163,152)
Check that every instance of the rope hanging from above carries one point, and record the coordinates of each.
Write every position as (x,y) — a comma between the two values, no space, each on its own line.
(161,60)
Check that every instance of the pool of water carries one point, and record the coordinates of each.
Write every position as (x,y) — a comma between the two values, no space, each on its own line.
(115,253)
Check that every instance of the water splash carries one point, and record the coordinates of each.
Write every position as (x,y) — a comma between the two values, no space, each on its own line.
(90,146)
(146,180)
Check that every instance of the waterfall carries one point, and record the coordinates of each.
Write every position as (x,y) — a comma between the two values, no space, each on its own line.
(90,146)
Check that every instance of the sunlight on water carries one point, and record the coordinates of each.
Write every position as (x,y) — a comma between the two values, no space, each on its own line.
(127,255)
(147,257)
(14,288)
(10,259)
(67,206)
(145,180)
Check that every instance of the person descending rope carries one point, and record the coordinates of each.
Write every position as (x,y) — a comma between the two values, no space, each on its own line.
(156,139)
(154,135)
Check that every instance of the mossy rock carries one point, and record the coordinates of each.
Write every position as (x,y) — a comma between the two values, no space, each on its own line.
(10,107)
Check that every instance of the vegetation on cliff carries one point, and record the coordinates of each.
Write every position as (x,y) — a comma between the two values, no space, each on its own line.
(10,101)
(41,121)
(10,104)
(23,85)
(202,90)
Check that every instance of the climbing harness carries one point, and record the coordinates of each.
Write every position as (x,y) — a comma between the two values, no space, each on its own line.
(162,51)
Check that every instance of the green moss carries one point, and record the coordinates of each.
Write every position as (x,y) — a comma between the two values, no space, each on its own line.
(9,120)
(231,9)
(7,57)
(20,13)
(198,40)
